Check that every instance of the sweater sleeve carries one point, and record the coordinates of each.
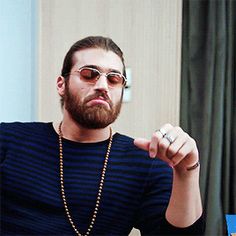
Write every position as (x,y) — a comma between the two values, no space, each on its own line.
(197,228)
(151,215)
(155,199)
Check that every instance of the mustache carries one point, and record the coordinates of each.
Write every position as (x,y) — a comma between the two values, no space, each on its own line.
(98,95)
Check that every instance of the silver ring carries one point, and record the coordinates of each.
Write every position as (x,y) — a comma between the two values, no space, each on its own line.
(169,138)
(162,131)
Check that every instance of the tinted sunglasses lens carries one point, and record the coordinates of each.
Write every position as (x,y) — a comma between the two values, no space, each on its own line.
(89,74)
(115,79)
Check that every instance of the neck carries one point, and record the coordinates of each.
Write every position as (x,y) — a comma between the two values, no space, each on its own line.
(75,132)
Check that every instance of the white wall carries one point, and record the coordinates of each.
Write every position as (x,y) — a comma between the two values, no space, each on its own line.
(18,30)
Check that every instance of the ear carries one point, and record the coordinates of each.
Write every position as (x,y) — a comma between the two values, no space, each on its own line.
(61,85)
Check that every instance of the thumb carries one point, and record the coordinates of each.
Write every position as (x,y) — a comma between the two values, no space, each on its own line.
(142,143)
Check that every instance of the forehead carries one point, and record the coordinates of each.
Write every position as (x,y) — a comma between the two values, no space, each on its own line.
(99,57)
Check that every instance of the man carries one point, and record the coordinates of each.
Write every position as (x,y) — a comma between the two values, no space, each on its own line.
(78,178)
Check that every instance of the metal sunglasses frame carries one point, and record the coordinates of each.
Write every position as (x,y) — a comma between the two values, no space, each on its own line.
(101,73)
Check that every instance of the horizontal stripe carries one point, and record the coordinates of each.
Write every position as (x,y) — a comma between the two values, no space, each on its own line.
(136,187)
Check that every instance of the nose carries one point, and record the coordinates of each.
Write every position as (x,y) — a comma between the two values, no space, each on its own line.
(101,84)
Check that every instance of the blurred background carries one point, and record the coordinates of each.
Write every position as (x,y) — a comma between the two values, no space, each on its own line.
(181,59)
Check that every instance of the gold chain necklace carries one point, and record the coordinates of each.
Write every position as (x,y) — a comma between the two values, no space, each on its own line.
(99,190)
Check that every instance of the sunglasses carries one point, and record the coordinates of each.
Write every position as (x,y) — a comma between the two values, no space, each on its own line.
(92,75)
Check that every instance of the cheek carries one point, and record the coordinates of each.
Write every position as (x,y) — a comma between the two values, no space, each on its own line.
(82,93)
(79,91)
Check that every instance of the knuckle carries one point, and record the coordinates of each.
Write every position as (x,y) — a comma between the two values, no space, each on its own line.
(192,141)
(176,161)
(162,145)
(186,136)
(168,125)
(181,153)
(171,151)
(178,129)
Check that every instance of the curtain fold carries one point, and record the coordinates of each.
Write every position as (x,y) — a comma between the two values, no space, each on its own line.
(208,101)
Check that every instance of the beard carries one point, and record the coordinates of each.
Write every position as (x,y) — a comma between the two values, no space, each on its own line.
(95,116)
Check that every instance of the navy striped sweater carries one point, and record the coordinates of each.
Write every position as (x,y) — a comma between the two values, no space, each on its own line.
(135,194)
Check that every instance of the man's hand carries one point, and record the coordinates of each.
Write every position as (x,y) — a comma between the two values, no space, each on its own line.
(179,150)
(172,145)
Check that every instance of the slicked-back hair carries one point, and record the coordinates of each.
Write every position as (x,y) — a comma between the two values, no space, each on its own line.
(90,42)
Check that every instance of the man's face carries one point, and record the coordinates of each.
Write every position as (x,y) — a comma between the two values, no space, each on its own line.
(93,105)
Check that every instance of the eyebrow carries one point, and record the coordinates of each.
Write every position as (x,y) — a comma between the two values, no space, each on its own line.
(99,68)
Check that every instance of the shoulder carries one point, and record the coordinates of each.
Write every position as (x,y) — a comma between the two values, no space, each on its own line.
(19,131)
(14,127)
(126,143)
(17,136)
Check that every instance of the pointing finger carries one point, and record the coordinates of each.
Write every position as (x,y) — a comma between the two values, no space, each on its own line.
(142,143)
